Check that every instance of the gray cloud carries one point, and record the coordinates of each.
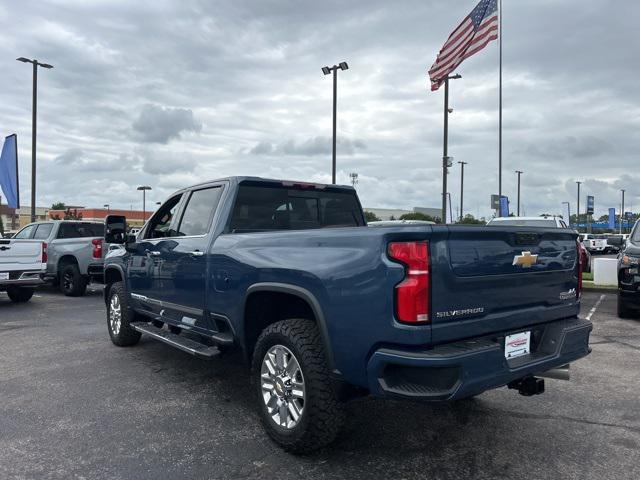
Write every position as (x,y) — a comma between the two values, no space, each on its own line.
(157,124)
(310,147)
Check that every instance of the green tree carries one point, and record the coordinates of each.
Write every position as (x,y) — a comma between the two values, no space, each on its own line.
(58,206)
(371,217)
(72,214)
(419,216)
(471,220)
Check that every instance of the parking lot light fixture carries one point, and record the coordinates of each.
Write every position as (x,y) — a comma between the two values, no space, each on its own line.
(34,113)
(144,189)
(327,71)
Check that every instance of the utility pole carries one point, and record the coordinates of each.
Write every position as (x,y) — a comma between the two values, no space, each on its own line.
(462,164)
(519,172)
(578,207)
(446,160)
(622,211)
(144,189)
(34,116)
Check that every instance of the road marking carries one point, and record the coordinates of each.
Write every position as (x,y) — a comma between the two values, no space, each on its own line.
(595,307)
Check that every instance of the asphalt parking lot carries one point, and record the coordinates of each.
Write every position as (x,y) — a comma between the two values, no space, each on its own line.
(72,405)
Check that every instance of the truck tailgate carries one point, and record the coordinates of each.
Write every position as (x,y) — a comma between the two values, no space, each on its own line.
(501,279)
(20,255)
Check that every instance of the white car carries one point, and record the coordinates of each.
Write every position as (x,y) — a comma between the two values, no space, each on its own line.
(22,267)
(549,222)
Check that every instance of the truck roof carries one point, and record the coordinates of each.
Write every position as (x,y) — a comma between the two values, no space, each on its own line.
(240,178)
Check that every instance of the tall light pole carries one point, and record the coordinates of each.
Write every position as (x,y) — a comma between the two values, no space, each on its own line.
(462,164)
(144,189)
(519,172)
(578,207)
(622,210)
(108,207)
(327,71)
(446,160)
(568,204)
(34,113)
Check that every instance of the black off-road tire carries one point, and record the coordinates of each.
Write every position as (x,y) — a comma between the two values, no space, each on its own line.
(72,282)
(20,294)
(624,311)
(125,335)
(322,416)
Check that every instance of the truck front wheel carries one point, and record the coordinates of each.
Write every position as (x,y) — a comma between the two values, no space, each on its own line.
(120,316)
(623,310)
(298,404)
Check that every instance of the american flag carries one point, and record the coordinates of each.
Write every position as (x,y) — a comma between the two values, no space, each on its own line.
(472,35)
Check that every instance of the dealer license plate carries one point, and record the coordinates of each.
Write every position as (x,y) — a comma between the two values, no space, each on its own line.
(517,344)
(4,275)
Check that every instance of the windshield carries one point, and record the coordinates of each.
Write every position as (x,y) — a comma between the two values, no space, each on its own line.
(635,237)
(517,222)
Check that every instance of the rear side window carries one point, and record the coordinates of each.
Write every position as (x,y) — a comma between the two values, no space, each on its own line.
(80,230)
(273,207)
(43,231)
(199,211)
(25,232)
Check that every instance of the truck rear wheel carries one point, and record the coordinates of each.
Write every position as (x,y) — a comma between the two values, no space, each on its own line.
(120,316)
(20,294)
(297,401)
(72,283)
(623,310)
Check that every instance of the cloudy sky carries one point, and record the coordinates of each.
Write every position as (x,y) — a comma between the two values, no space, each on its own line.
(169,93)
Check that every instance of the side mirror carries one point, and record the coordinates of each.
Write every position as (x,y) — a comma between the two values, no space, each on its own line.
(115,229)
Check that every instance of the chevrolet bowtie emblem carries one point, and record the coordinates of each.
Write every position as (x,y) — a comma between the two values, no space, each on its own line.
(526,259)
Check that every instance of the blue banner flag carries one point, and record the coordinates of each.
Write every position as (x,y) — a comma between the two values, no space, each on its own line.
(612,218)
(9,171)
(504,206)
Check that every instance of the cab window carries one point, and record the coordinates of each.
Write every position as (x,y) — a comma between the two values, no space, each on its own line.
(25,232)
(43,231)
(160,224)
(199,211)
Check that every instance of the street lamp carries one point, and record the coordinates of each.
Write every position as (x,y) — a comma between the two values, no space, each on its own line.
(108,207)
(354,179)
(519,172)
(462,164)
(568,204)
(327,71)
(34,111)
(144,189)
(446,160)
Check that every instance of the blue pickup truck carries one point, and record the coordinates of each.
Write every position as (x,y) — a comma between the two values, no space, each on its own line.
(325,308)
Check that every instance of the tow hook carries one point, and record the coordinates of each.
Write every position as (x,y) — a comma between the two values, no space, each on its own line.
(528,386)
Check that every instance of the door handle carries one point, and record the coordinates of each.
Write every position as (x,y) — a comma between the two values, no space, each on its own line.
(196,253)
(153,253)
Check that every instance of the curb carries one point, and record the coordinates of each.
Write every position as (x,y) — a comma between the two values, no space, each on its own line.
(591,287)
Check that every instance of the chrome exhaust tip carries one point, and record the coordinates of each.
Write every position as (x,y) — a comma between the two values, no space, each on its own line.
(559,373)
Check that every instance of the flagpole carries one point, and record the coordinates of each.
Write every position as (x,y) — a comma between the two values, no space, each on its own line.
(500,110)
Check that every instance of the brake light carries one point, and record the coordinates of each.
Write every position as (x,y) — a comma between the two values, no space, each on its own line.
(412,294)
(43,254)
(97,248)
(580,259)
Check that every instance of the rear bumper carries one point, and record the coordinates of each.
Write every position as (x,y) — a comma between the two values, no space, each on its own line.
(24,278)
(462,369)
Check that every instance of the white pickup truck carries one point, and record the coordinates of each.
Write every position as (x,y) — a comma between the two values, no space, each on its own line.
(22,267)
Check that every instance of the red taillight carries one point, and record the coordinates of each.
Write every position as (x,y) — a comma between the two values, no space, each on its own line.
(412,294)
(581,260)
(44,256)
(97,247)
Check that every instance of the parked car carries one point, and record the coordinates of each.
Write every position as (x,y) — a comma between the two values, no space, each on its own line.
(75,252)
(324,308)
(22,266)
(629,273)
(595,243)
